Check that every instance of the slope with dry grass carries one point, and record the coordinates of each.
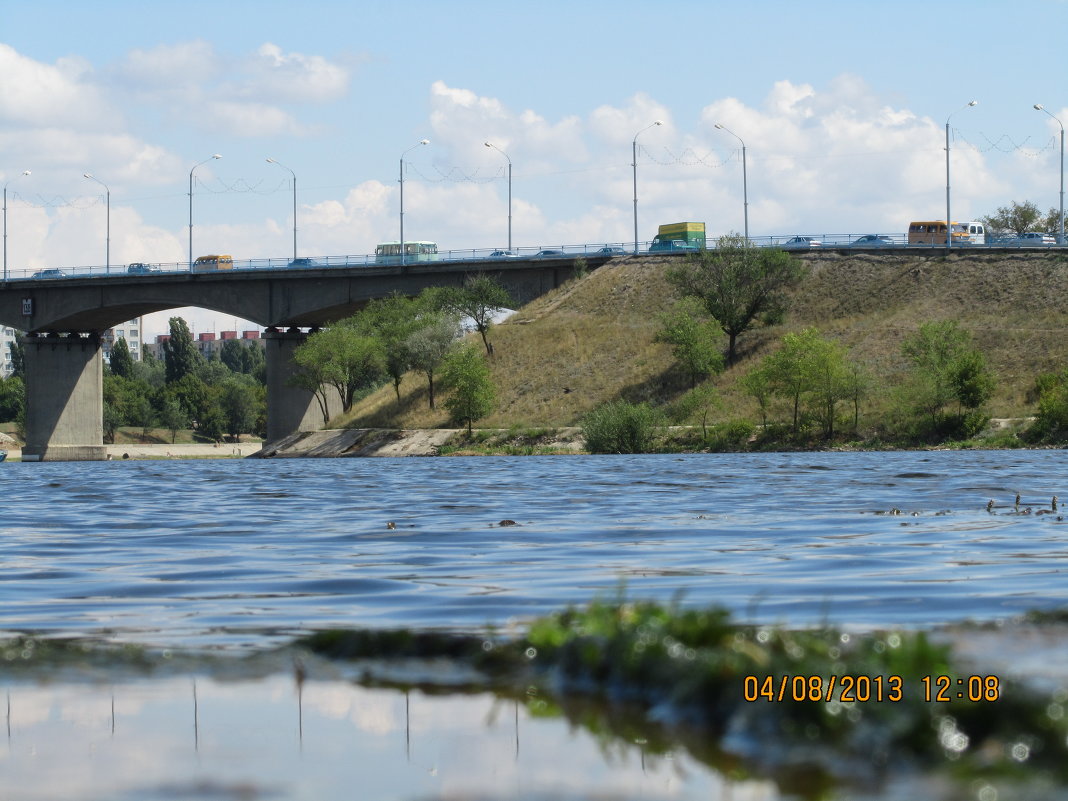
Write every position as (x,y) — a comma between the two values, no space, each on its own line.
(593,339)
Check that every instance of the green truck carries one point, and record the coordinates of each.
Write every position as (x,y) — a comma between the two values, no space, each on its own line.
(679,236)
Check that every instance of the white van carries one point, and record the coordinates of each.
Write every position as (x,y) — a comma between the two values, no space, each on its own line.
(973,233)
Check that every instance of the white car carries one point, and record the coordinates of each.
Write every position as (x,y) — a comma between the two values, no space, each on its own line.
(801,243)
(1031,239)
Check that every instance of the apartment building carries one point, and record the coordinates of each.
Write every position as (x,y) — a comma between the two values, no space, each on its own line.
(130,331)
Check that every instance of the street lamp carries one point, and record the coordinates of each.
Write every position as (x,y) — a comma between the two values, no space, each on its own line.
(949,218)
(24,172)
(205,161)
(634,164)
(284,167)
(490,144)
(745,186)
(1060,236)
(405,153)
(107,229)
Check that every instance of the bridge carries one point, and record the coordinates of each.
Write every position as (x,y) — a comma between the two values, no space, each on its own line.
(64,319)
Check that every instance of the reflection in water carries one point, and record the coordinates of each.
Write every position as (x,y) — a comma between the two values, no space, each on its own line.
(86,742)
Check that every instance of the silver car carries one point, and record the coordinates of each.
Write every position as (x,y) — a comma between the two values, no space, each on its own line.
(801,243)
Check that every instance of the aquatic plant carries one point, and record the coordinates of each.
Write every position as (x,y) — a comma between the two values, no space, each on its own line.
(839,703)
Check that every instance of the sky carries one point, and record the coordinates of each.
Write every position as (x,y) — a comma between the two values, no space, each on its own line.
(842,107)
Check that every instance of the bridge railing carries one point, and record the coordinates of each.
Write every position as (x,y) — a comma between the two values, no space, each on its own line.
(544,251)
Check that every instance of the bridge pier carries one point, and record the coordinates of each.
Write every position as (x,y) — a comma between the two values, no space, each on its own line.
(289,408)
(65,380)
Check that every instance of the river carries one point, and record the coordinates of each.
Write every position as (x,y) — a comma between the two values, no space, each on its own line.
(231,558)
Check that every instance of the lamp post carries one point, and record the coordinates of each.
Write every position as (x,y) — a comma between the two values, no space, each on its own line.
(1060,235)
(107,218)
(949,218)
(403,250)
(205,161)
(490,144)
(634,164)
(745,182)
(284,167)
(24,172)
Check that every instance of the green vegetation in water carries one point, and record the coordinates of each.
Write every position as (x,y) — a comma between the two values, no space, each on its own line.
(762,693)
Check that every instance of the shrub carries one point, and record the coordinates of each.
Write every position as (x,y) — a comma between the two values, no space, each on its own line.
(620,427)
(731,436)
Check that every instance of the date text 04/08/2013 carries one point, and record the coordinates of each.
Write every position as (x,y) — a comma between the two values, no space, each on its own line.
(863,689)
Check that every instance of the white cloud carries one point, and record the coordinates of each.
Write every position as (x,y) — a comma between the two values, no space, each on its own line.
(35,94)
(273,75)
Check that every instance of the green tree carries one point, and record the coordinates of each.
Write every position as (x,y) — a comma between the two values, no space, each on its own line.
(757,385)
(468,377)
(18,358)
(697,404)
(429,345)
(738,284)
(180,355)
(239,403)
(112,419)
(141,414)
(12,398)
(172,416)
(392,320)
(1015,218)
(150,370)
(192,394)
(341,357)
(1052,222)
(947,368)
(692,340)
(121,362)
(479,299)
(810,371)
(242,356)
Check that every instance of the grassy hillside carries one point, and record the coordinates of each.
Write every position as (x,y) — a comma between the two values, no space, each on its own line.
(592,340)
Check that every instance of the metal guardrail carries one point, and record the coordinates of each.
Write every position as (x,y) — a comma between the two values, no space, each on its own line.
(790,242)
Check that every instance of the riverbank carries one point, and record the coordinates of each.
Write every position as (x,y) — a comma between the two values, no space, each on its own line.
(227,450)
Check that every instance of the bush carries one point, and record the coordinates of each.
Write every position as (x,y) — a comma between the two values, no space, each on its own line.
(621,427)
(732,436)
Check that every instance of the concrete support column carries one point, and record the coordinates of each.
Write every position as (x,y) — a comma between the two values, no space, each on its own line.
(64,400)
(289,408)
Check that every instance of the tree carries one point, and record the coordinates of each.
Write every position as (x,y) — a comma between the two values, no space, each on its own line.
(112,419)
(242,356)
(467,375)
(1052,222)
(239,404)
(479,299)
(12,398)
(1015,218)
(180,355)
(18,359)
(430,344)
(738,284)
(692,340)
(392,320)
(947,367)
(343,358)
(121,362)
(810,371)
(140,413)
(172,416)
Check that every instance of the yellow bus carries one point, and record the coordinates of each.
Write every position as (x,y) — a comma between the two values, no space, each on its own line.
(207,264)
(934,233)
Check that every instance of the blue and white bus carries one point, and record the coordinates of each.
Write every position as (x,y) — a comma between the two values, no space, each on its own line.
(390,252)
